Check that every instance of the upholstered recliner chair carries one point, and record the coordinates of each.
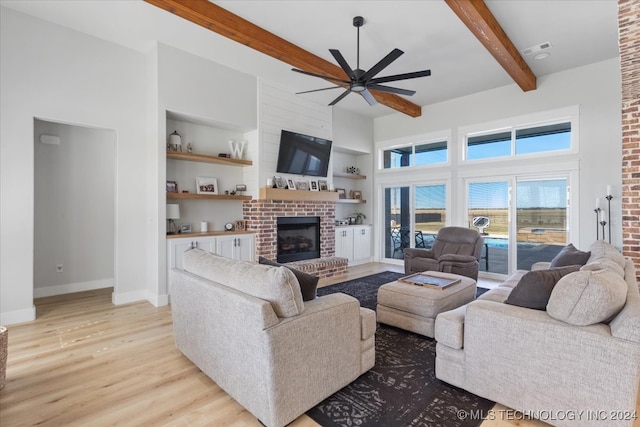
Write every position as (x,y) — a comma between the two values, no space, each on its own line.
(455,250)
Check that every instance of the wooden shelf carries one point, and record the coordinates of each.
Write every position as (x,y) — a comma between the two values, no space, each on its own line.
(268,193)
(354,201)
(191,157)
(206,196)
(348,175)
(208,233)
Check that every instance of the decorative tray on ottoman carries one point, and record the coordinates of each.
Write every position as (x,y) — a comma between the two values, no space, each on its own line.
(429,281)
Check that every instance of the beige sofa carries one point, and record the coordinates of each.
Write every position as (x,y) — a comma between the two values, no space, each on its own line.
(558,365)
(246,326)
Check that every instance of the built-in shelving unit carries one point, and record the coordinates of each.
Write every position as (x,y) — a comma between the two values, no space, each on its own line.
(202,158)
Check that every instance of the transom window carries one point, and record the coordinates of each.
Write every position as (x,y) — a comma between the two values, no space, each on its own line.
(415,155)
(520,141)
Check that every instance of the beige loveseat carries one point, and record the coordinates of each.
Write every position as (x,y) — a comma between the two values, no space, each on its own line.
(246,326)
(558,365)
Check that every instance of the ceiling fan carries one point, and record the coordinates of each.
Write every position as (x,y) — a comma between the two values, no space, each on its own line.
(361,81)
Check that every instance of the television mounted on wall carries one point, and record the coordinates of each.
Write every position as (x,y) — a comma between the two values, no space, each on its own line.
(303,154)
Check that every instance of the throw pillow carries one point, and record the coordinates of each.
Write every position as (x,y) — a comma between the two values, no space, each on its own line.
(569,255)
(601,250)
(308,282)
(535,287)
(588,297)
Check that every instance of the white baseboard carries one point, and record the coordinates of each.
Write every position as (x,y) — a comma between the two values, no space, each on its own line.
(18,316)
(69,288)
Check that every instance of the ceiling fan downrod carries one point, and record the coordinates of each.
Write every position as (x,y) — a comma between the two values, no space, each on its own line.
(358,21)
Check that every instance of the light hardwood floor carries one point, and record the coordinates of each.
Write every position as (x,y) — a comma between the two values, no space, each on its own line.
(86,362)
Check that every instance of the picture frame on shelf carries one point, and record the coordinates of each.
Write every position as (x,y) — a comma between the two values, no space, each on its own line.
(342,193)
(185,228)
(313,185)
(172,187)
(291,185)
(279,182)
(355,194)
(322,185)
(206,185)
(302,185)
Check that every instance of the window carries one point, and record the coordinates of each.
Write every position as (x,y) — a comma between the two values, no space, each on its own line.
(516,142)
(415,155)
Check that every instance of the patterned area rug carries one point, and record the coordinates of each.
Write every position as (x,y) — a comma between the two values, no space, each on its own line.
(401,389)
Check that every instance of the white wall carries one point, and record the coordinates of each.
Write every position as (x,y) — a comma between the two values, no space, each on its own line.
(74,209)
(55,74)
(594,88)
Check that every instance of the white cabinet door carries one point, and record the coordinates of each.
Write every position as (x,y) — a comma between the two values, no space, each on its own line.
(344,243)
(177,247)
(362,244)
(237,246)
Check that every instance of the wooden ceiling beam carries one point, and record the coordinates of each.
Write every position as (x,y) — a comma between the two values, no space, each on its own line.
(478,18)
(227,24)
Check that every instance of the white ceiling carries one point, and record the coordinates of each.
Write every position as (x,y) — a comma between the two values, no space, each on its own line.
(580,32)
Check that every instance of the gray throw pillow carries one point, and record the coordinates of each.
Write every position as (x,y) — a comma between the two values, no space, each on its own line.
(569,255)
(308,282)
(535,287)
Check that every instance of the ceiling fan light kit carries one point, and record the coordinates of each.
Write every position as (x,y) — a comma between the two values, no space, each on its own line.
(360,81)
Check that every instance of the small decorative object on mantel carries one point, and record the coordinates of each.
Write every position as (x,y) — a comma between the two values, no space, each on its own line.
(342,193)
(206,185)
(355,194)
(322,185)
(279,182)
(240,225)
(175,142)
(313,184)
(302,185)
(291,185)
(353,170)
(237,148)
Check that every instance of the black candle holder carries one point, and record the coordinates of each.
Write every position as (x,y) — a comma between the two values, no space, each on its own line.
(603,223)
(597,211)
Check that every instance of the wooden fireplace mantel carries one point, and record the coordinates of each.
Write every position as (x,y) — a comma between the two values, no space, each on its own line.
(268,193)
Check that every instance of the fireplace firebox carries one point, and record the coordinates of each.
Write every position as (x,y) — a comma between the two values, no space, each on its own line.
(298,238)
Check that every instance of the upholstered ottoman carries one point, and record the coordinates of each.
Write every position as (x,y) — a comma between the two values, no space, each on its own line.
(414,308)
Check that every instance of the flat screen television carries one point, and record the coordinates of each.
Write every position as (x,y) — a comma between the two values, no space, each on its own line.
(303,154)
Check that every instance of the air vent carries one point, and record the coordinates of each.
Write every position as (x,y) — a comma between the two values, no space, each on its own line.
(537,48)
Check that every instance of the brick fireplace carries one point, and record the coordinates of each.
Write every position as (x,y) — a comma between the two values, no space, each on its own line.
(262,216)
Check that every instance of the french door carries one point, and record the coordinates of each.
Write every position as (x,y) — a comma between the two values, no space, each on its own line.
(412,217)
(524,220)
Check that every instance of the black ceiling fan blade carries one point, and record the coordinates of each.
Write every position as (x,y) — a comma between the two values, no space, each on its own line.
(343,63)
(368,97)
(404,76)
(318,90)
(320,76)
(338,99)
(395,90)
(382,64)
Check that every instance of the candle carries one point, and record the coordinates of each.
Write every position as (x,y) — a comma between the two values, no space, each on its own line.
(597,203)
(602,215)
(608,190)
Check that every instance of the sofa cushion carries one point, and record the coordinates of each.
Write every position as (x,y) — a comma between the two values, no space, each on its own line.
(308,282)
(603,250)
(603,264)
(587,297)
(570,255)
(279,286)
(535,287)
